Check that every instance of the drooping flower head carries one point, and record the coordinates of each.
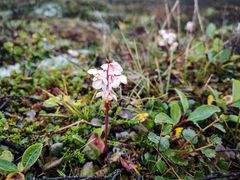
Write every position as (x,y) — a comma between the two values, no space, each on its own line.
(108,77)
(190,26)
(168,39)
(238,28)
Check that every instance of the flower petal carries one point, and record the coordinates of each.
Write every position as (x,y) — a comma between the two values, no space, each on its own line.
(99,94)
(93,71)
(97,84)
(104,66)
(123,79)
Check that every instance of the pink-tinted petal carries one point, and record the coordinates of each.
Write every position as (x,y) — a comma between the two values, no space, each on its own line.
(104,66)
(116,82)
(97,84)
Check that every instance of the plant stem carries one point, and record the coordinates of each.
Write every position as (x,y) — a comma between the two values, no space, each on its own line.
(169,73)
(106,112)
(106,127)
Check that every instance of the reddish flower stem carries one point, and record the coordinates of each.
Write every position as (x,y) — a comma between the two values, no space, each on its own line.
(106,127)
(106,111)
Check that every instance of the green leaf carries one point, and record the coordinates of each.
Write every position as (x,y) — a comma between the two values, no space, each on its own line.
(183,99)
(164,143)
(175,112)
(211,29)
(163,118)
(98,131)
(200,48)
(167,129)
(161,166)
(188,134)
(7,155)
(236,90)
(237,104)
(214,139)
(225,54)
(210,153)
(7,166)
(8,46)
(159,178)
(234,118)
(203,112)
(153,138)
(52,101)
(217,44)
(31,155)
(179,161)
(219,127)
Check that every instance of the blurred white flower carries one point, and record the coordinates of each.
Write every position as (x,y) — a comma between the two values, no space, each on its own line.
(113,68)
(107,96)
(106,79)
(73,53)
(174,46)
(168,39)
(238,28)
(190,26)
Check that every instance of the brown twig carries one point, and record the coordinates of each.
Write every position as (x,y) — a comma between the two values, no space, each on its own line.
(200,132)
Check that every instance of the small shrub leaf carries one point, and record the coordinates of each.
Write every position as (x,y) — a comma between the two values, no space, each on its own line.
(31,155)
(161,166)
(210,153)
(183,99)
(7,166)
(153,138)
(175,112)
(163,118)
(236,90)
(203,112)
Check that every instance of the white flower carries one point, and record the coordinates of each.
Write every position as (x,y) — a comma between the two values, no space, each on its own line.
(117,80)
(168,39)
(190,26)
(99,82)
(113,68)
(93,71)
(107,78)
(107,96)
(73,53)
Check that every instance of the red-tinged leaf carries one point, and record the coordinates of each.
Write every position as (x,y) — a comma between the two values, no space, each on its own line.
(94,147)
(129,166)
(125,164)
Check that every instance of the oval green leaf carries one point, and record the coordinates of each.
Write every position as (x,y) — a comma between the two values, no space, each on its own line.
(161,166)
(175,112)
(31,155)
(183,99)
(7,166)
(203,112)
(236,92)
(163,118)
(153,138)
